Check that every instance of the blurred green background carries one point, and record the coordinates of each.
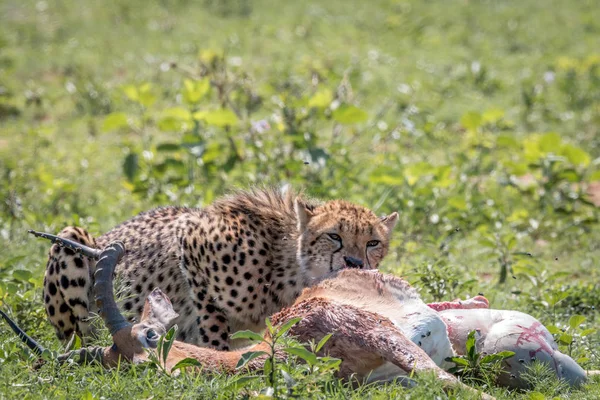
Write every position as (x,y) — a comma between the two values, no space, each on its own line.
(477,120)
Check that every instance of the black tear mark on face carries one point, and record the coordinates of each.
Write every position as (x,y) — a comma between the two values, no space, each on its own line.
(333,254)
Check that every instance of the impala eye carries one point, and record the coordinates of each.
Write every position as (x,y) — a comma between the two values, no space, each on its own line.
(335,237)
(373,243)
(151,334)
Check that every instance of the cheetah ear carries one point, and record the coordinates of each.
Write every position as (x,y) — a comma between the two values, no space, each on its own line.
(390,221)
(158,309)
(303,214)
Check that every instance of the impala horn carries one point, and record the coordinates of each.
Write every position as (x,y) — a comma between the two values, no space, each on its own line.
(103,287)
(70,244)
(34,346)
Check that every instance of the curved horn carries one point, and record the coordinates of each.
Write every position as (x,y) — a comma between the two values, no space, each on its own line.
(76,247)
(103,288)
(32,344)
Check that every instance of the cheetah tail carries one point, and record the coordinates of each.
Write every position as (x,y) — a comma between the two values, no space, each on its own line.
(76,247)
(32,344)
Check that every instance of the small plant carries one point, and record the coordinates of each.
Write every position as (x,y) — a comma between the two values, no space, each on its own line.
(542,381)
(441,280)
(477,367)
(572,335)
(274,370)
(165,342)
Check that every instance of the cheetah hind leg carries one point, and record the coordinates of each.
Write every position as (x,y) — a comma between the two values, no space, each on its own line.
(68,282)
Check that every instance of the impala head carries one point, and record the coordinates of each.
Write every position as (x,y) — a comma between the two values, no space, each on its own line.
(129,341)
(339,234)
(158,314)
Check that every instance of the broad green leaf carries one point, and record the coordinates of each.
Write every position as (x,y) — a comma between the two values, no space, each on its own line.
(321,99)
(212,152)
(414,172)
(458,361)
(88,396)
(165,147)
(267,369)
(457,202)
(169,124)
(492,116)
(517,169)
(194,91)
(470,345)
(507,142)
(595,176)
(269,326)
(22,275)
(503,355)
(531,148)
(576,320)
(146,96)
(249,356)
(550,143)
(587,332)
(569,176)
(168,340)
(536,396)
(349,114)
(565,338)
(383,177)
(471,120)
(322,342)
(283,329)
(185,363)
(210,55)
(76,345)
(303,353)
(486,242)
(241,382)
(131,166)
(576,155)
(553,330)
(177,166)
(249,335)
(131,92)
(178,112)
(523,269)
(115,121)
(174,119)
(220,118)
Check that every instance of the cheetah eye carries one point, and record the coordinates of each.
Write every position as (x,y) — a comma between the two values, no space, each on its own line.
(335,237)
(373,243)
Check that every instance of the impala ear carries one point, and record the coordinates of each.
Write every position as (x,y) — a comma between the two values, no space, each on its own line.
(390,221)
(303,214)
(139,358)
(158,309)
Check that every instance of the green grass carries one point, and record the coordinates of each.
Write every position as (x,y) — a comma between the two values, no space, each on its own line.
(447,110)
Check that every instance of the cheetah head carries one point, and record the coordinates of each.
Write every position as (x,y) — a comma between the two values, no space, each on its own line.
(339,234)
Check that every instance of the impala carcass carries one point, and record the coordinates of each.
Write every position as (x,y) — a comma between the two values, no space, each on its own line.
(381,328)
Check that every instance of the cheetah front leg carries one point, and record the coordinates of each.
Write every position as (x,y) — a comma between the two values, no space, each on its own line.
(212,323)
(212,327)
(68,283)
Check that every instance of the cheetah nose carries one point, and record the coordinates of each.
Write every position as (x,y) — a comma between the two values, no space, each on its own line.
(352,262)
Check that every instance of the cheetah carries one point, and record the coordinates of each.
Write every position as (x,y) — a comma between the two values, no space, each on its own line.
(225,267)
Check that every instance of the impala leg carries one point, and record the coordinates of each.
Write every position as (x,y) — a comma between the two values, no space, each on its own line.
(475,302)
(364,341)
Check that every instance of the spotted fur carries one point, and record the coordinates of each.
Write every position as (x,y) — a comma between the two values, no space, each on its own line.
(225,267)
